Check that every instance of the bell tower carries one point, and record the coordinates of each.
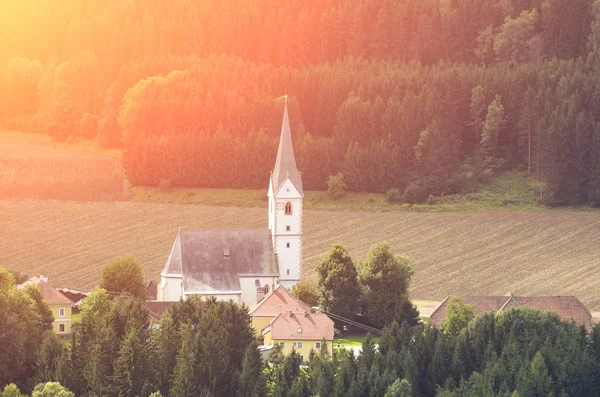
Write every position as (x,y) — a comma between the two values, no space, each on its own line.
(285,208)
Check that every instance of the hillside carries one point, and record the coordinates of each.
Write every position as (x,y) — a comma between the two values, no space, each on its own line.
(432,98)
(484,252)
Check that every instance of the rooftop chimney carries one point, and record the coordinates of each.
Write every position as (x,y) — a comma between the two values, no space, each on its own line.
(260,294)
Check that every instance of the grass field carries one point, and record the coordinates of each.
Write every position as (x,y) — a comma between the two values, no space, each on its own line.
(512,190)
(469,252)
(32,165)
(353,340)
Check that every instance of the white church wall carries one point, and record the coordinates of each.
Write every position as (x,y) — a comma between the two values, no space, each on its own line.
(287,233)
(248,286)
(289,253)
(221,297)
(169,289)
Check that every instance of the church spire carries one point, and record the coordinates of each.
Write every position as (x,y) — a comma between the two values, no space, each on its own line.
(285,164)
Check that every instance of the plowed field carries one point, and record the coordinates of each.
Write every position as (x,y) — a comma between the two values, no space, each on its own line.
(485,252)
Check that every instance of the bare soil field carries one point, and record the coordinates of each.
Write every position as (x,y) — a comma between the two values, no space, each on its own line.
(550,252)
(32,165)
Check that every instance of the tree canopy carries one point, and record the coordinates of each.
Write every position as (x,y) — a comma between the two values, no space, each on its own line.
(123,275)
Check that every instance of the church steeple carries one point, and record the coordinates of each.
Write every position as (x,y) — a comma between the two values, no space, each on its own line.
(285,208)
(285,164)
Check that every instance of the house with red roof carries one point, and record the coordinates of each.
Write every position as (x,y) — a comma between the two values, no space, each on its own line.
(60,305)
(568,308)
(278,301)
(302,331)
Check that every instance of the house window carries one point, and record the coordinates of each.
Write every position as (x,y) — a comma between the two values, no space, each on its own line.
(299,330)
(287,245)
(61,328)
(300,346)
(288,208)
(288,272)
(302,358)
(288,228)
(257,282)
(61,312)
(282,344)
(294,345)
(318,345)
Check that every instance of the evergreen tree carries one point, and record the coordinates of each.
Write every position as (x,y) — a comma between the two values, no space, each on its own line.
(400,388)
(250,382)
(50,361)
(167,342)
(132,368)
(184,382)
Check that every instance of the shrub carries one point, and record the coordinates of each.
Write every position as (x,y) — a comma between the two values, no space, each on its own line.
(415,193)
(336,186)
(393,195)
(431,200)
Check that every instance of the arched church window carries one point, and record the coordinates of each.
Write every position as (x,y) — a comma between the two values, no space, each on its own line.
(288,208)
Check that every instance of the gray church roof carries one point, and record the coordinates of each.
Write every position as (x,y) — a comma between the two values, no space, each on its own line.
(213,260)
(285,164)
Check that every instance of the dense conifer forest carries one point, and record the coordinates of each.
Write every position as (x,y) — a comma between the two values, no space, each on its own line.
(208,349)
(430,97)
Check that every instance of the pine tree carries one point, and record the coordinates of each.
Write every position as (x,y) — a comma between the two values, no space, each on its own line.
(184,382)
(132,368)
(250,382)
(400,388)
(50,360)
(167,341)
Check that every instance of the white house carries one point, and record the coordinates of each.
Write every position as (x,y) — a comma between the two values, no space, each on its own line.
(244,264)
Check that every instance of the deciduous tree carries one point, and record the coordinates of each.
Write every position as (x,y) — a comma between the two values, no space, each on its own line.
(338,285)
(123,275)
(384,278)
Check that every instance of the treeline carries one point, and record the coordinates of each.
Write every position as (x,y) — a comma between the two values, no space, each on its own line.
(426,97)
(519,352)
(207,349)
(199,348)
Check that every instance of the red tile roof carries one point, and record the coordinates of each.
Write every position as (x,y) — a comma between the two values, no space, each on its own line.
(301,326)
(567,307)
(279,300)
(49,294)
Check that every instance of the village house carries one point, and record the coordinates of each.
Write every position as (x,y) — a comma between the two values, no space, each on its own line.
(277,301)
(59,304)
(302,331)
(237,264)
(568,308)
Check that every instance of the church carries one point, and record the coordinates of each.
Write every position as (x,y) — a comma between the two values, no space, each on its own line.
(244,265)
